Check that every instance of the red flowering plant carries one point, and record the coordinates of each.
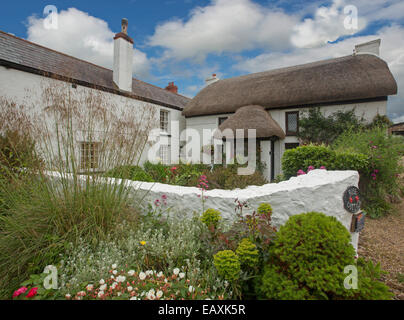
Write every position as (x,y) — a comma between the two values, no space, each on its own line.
(33,289)
(203,186)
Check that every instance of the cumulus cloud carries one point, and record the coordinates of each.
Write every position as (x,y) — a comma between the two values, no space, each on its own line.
(83,36)
(392,51)
(224,26)
(327,25)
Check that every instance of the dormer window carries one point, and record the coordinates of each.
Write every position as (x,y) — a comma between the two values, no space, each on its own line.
(164,121)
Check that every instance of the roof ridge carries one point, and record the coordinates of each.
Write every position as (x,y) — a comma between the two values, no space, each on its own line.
(82,60)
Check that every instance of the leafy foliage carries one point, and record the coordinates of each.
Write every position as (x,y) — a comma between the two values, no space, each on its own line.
(303,157)
(211,217)
(317,128)
(379,182)
(264,209)
(227,264)
(247,253)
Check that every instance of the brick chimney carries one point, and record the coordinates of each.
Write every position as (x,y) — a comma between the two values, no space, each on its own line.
(123,58)
(172,87)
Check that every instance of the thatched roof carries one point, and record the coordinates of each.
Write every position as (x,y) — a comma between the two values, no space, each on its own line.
(342,79)
(252,117)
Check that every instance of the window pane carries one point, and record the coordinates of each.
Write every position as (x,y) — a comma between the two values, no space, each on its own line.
(164,120)
(292,122)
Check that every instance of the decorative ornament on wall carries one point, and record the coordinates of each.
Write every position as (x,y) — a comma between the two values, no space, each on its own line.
(352,200)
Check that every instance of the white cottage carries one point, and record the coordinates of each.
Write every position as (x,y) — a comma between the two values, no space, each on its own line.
(25,67)
(272,101)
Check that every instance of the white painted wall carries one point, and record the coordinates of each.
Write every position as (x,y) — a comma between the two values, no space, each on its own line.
(26,89)
(319,190)
(367,110)
(123,61)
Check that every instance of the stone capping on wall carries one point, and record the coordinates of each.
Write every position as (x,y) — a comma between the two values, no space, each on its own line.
(319,190)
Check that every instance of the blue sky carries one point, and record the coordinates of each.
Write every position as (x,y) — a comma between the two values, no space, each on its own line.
(185,41)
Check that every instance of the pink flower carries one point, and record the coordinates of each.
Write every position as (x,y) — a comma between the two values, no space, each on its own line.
(322,167)
(376,171)
(157,202)
(300,172)
(19,291)
(164,197)
(32,293)
(310,168)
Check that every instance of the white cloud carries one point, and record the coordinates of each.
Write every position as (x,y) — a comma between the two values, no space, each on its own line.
(328,24)
(224,26)
(392,51)
(83,36)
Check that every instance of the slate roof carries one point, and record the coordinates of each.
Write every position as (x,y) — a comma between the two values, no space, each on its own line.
(27,56)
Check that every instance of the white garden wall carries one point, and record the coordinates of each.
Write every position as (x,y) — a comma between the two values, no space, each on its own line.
(319,190)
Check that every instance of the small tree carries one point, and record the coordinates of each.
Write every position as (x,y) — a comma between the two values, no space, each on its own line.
(316,128)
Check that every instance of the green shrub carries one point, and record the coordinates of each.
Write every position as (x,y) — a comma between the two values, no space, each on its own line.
(302,157)
(227,265)
(379,182)
(247,253)
(308,260)
(314,127)
(135,173)
(264,209)
(310,251)
(211,217)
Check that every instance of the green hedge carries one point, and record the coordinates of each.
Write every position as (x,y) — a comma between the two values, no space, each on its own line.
(302,157)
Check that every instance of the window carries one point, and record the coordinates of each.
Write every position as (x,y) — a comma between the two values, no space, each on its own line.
(221,120)
(89,155)
(292,123)
(164,154)
(291,146)
(164,121)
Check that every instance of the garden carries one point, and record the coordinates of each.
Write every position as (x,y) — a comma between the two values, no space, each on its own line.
(102,246)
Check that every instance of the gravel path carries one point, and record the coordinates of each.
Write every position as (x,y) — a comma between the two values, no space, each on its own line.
(382,240)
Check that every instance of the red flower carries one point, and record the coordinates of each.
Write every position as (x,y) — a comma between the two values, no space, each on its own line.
(19,291)
(32,293)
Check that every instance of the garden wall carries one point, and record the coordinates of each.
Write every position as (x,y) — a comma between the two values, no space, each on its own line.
(319,190)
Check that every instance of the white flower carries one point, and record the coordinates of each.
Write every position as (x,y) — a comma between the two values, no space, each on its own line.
(114,266)
(151,296)
(100,294)
(152,291)
(102,281)
(159,294)
(176,271)
(114,272)
(133,298)
(160,274)
(182,275)
(191,289)
(121,278)
(131,272)
(130,288)
(142,276)
(103,287)
(68,296)
(89,287)
(165,280)
(149,272)
(113,286)
(119,294)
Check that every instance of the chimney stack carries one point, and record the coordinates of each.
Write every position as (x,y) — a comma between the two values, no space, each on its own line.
(123,58)
(211,80)
(371,47)
(172,87)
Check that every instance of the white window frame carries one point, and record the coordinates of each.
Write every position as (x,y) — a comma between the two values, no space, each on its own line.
(164,154)
(164,121)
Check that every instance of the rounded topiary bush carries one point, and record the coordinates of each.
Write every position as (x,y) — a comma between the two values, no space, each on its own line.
(211,217)
(264,209)
(310,253)
(227,265)
(247,253)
